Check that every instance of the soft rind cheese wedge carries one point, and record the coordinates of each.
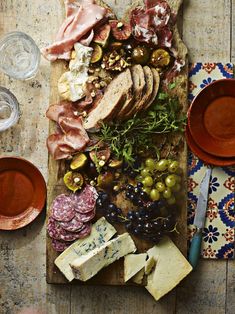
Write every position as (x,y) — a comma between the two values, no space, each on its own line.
(133,263)
(171,267)
(101,232)
(87,266)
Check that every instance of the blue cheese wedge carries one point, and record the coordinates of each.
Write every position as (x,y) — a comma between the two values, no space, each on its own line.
(133,263)
(171,267)
(101,232)
(87,266)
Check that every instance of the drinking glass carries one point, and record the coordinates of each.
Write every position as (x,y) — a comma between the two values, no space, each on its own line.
(9,109)
(19,56)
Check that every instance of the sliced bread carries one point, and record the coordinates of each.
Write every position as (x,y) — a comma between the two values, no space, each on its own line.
(115,96)
(149,88)
(138,79)
(156,83)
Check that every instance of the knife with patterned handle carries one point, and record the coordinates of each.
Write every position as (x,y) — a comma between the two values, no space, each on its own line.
(199,219)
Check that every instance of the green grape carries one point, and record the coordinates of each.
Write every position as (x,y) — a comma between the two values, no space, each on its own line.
(148,181)
(146,190)
(145,172)
(160,186)
(150,163)
(154,195)
(162,165)
(173,167)
(167,193)
(171,200)
(176,188)
(139,178)
(170,181)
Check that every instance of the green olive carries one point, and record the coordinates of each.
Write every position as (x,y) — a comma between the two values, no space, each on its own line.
(140,55)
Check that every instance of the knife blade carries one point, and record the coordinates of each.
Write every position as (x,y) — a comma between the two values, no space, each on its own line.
(199,219)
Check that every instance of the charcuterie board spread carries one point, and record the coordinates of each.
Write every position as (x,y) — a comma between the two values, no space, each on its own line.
(117,167)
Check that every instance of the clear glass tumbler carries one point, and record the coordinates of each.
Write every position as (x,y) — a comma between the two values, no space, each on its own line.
(19,56)
(9,109)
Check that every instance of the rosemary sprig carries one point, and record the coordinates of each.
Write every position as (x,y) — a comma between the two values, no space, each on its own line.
(138,133)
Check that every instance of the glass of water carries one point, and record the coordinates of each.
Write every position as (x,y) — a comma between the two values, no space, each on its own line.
(9,109)
(19,56)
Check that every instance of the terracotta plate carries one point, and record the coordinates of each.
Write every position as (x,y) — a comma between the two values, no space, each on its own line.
(211,118)
(22,193)
(204,156)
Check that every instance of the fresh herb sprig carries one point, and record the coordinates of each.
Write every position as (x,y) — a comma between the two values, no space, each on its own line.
(126,139)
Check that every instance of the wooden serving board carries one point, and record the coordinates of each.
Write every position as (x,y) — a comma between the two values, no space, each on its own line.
(113,274)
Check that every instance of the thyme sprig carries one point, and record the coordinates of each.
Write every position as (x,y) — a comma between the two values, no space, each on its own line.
(139,133)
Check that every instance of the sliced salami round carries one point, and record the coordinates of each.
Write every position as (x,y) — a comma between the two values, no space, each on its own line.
(62,208)
(85,201)
(85,232)
(60,246)
(73,225)
(85,217)
(56,232)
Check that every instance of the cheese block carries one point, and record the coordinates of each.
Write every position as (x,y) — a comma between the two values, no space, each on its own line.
(87,266)
(138,278)
(171,267)
(133,263)
(149,265)
(101,232)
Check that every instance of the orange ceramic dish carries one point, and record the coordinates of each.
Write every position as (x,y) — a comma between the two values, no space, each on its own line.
(211,118)
(22,193)
(204,156)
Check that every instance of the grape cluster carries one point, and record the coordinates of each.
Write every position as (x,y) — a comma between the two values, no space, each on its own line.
(148,223)
(160,179)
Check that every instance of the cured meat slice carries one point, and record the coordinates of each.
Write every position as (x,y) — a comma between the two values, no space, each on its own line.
(73,225)
(85,217)
(61,208)
(81,18)
(60,246)
(85,231)
(57,147)
(64,108)
(85,201)
(56,232)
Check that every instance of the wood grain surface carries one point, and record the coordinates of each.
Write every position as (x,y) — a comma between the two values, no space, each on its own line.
(114,274)
(208,31)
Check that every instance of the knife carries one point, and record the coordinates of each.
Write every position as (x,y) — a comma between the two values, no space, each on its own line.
(199,219)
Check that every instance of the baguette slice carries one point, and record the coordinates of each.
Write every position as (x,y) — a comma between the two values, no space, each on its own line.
(138,78)
(117,93)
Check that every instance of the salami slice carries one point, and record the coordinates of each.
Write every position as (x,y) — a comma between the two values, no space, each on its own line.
(56,232)
(62,208)
(73,225)
(86,216)
(85,232)
(85,201)
(60,246)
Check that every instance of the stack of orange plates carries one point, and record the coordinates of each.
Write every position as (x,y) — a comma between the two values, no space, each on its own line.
(210,132)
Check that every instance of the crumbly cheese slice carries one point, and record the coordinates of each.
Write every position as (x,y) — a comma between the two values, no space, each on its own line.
(101,232)
(133,263)
(87,266)
(171,267)
(138,278)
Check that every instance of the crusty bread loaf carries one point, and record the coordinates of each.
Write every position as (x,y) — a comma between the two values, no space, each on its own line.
(116,94)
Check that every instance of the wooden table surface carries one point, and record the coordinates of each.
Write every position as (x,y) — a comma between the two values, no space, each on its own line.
(208,31)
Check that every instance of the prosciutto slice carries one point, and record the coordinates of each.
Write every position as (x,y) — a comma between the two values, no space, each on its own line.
(82,17)
(151,24)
